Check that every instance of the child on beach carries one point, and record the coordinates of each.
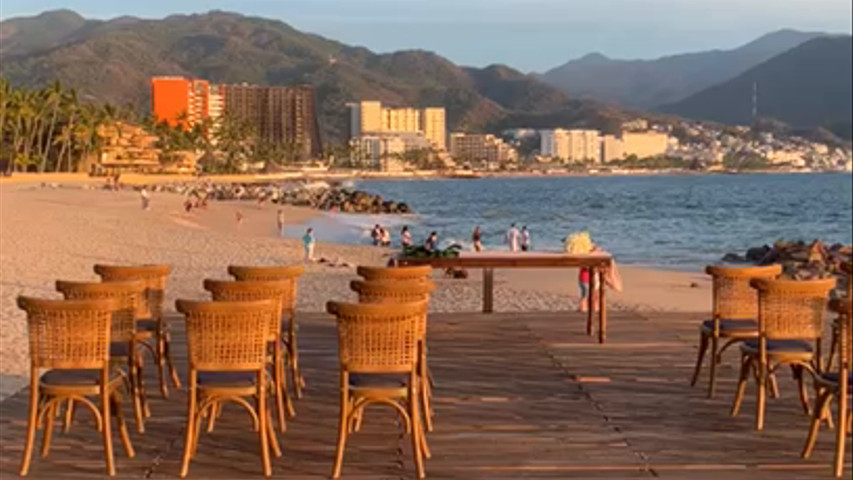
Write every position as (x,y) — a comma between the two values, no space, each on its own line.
(146,199)
(525,239)
(477,239)
(385,237)
(280,222)
(308,241)
(406,237)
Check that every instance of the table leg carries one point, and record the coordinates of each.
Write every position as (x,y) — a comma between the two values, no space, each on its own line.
(488,289)
(602,312)
(589,302)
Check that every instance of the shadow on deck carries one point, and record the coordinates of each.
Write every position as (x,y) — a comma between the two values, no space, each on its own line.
(517,396)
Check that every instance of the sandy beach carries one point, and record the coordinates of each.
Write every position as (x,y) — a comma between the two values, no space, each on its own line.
(60,233)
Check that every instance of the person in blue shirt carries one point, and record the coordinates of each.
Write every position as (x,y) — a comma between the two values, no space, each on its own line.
(308,241)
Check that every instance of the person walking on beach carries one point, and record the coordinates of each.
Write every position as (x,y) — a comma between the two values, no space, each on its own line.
(279,221)
(477,239)
(385,237)
(512,238)
(525,239)
(431,243)
(405,237)
(308,242)
(146,199)
(375,234)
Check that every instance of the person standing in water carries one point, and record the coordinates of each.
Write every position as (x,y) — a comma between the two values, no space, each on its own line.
(405,237)
(431,243)
(308,241)
(512,238)
(280,222)
(525,239)
(477,239)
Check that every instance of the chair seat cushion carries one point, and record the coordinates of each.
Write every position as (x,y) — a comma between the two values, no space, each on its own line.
(781,346)
(119,349)
(146,324)
(732,326)
(227,379)
(75,377)
(378,380)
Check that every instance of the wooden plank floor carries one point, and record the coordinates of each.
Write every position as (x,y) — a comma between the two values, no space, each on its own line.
(517,396)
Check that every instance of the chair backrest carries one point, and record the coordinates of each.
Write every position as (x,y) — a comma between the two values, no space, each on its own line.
(129,297)
(235,291)
(847,267)
(394,273)
(844,309)
(69,334)
(733,298)
(227,336)
(377,338)
(154,276)
(391,291)
(792,309)
(290,273)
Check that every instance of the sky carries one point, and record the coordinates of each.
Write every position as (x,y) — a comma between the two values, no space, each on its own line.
(531,35)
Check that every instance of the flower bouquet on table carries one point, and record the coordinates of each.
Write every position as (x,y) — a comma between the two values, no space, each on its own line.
(580,243)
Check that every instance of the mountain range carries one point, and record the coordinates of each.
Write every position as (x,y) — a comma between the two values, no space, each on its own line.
(112,60)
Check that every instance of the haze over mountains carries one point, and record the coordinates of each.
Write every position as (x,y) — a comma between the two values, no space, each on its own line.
(113,60)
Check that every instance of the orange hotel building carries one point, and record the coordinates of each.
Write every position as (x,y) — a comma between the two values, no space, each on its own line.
(173,96)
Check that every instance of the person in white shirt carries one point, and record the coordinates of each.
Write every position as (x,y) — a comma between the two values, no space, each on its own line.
(512,238)
(146,199)
(525,239)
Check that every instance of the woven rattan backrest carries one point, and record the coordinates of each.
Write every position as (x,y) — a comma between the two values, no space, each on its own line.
(277,290)
(847,267)
(792,309)
(69,334)
(129,297)
(733,298)
(154,276)
(394,273)
(227,336)
(844,309)
(395,291)
(377,338)
(280,272)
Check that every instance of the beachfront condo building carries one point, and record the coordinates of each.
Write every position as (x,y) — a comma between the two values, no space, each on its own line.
(644,144)
(571,146)
(478,148)
(370,117)
(285,116)
(180,100)
(278,115)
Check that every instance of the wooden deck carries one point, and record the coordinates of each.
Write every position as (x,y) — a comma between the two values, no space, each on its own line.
(517,396)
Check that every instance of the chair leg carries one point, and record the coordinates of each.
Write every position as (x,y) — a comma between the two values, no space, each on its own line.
(143,397)
(801,383)
(262,428)
(31,426)
(160,360)
(273,439)
(49,421)
(122,425)
(211,417)
(173,372)
(703,346)
(190,431)
(138,413)
(343,431)
(296,372)
(745,367)
(417,428)
(69,415)
(424,391)
(712,380)
(278,387)
(761,397)
(841,433)
(774,385)
(108,430)
(814,427)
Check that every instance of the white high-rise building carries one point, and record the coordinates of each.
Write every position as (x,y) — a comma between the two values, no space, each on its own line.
(571,145)
(370,117)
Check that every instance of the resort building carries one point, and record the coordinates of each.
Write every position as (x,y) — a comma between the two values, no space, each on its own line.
(644,144)
(384,151)
(571,145)
(370,117)
(481,148)
(279,115)
(611,148)
(180,100)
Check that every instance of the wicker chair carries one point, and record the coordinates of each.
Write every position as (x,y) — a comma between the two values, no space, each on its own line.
(385,291)
(124,340)
(835,384)
(292,274)
(70,339)
(154,323)
(847,268)
(227,353)
(280,292)
(377,348)
(394,273)
(790,327)
(734,316)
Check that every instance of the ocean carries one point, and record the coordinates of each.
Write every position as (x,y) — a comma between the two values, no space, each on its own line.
(679,222)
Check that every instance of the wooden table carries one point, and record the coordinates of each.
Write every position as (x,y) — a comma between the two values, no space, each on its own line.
(489,261)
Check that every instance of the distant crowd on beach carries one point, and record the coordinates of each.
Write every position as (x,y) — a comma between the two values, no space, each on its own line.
(517,240)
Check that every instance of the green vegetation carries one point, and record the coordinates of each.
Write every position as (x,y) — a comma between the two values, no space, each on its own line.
(655,163)
(745,161)
(49,129)
(420,252)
